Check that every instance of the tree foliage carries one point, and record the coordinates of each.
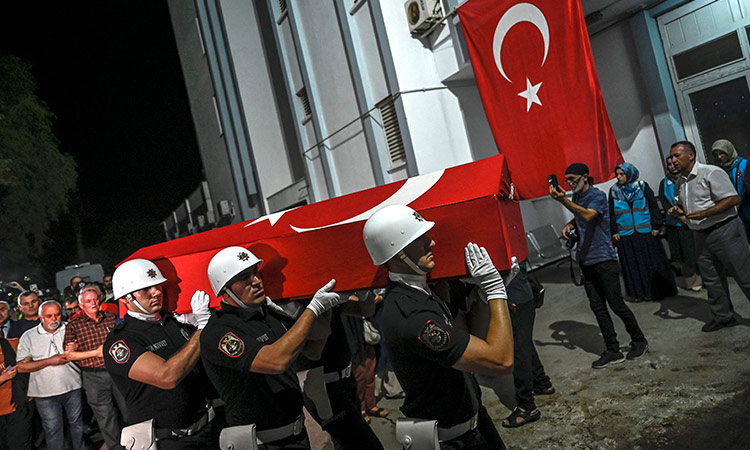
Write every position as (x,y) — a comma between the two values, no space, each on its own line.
(35,177)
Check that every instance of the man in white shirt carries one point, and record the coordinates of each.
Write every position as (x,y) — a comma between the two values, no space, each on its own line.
(55,383)
(707,201)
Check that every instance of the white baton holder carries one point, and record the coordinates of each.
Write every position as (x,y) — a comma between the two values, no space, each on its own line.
(139,436)
(241,437)
(514,269)
(417,434)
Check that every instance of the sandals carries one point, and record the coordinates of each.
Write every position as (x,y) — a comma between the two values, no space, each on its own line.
(400,395)
(378,412)
(512,421)
(365,417)
(546,391)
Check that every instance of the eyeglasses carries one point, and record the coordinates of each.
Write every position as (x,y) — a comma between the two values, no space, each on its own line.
(573,180)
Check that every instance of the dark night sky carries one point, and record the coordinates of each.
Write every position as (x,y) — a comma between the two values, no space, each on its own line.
(110,72)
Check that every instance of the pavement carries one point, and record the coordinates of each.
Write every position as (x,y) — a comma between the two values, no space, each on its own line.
(690,391)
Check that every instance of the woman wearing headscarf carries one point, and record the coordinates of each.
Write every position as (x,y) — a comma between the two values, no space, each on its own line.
(679,236)
(736,166)
(635,222)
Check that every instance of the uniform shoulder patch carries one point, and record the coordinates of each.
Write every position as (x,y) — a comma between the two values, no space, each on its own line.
(231,345)
(120,352)
(434,336)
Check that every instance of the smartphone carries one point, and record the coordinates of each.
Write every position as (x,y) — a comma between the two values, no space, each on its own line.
(552,180)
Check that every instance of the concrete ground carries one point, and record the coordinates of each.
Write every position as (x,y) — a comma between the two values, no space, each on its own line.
(691,390)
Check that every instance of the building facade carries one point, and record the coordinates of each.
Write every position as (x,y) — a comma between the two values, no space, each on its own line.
(297,101)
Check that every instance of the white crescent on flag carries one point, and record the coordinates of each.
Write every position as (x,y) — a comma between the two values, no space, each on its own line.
(411,190)
(522,12)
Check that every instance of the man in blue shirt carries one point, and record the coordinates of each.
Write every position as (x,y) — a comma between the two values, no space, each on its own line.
(598,261)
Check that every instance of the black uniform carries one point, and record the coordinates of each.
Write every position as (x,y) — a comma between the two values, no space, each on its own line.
(229,344)
(424,344)
(172,409)
(347,427)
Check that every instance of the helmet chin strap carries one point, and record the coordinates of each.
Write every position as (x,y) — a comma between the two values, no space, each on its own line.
(402,256)
(143,315)
(237,300)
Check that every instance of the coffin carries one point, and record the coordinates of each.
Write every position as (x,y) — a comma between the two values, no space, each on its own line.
(304,247)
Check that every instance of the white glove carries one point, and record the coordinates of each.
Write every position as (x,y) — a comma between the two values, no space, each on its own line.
(484,273)
(199,303)
(186,318)
(514,269)
(324,299)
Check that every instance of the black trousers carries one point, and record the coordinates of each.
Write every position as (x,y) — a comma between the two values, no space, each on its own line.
(528,371)
(347,428)
(15,429)
(602,284)
(483,437)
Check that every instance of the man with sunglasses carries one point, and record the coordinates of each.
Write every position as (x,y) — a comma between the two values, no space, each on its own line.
(84,338)
(598,261)
(28,303)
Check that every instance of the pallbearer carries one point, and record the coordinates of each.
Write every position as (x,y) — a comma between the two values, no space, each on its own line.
(433,358)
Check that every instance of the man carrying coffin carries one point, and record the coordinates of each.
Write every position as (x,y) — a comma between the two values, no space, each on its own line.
(433,358)
(248,351)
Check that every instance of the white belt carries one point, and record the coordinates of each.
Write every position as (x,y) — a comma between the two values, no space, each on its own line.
(446,434)
(282,432)
(331,377)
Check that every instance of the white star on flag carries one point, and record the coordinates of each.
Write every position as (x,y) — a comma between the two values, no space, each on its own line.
(530,94)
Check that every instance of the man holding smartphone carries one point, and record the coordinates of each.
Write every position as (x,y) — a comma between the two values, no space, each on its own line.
(598,261)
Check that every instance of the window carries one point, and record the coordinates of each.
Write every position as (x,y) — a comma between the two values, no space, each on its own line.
(707,56)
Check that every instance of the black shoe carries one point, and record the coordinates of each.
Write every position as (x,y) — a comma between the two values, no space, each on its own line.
(713,325)
(637,349)
(607,359)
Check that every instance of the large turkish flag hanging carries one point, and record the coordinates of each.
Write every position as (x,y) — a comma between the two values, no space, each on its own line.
(303,248)
(536,77)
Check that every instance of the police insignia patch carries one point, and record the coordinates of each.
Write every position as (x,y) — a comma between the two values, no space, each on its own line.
(120,352)
(231,345)
(151,273)
(434,336)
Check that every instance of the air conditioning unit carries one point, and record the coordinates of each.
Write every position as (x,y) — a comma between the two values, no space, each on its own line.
(422,14)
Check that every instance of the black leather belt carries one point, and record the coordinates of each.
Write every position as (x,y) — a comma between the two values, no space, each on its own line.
(195,428)
(716,226)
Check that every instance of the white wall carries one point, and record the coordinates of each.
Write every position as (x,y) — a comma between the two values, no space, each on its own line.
(434,118)
(627,104)
(256,94)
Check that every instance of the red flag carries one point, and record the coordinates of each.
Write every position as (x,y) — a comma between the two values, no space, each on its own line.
(305,247)
(536,76)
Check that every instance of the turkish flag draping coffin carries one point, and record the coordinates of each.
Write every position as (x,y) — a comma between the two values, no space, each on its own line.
(536,76)
(305,247)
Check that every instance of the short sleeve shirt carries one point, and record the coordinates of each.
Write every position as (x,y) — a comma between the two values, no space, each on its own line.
(229,344)
(175,408)
(51,380)
(423,344)
(704,187)
(595,245)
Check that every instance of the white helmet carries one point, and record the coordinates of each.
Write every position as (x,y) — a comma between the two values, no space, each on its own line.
(391,229)
(134,275)
(226,264)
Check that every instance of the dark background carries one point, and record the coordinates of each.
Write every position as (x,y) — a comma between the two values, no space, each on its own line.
(110,72)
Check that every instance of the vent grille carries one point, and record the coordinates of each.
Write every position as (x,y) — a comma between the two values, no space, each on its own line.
(282,7)
(302,94)
(392,130)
